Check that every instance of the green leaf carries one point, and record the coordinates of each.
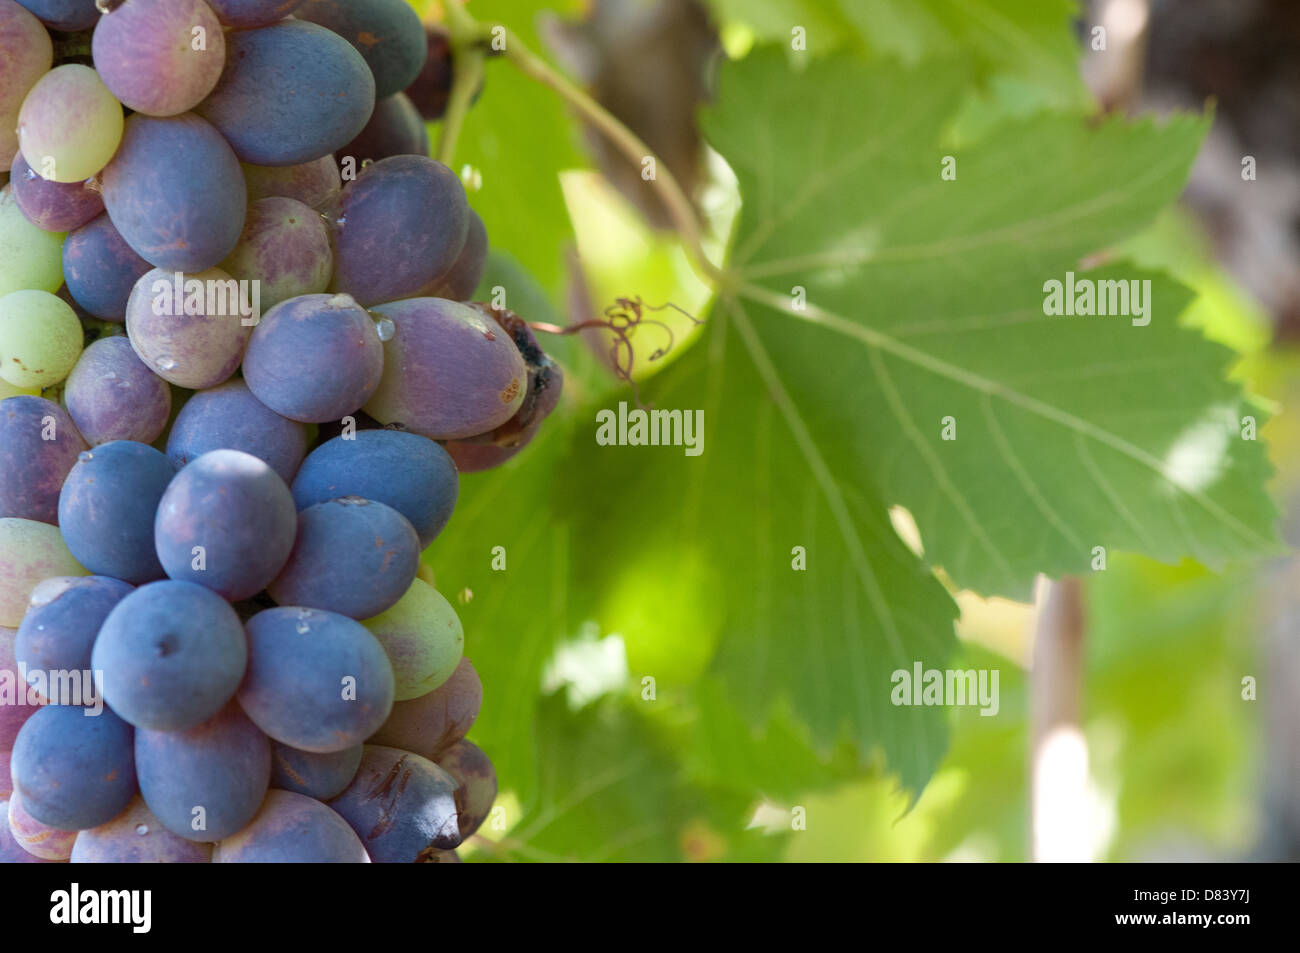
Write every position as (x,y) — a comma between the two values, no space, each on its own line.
(1026,42)
(610,792)
(520,136)
(925,303)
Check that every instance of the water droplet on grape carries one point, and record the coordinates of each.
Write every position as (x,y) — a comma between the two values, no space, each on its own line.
(342,301)
(489,335)
(142,829)
(165,364)
(303,628)
(85,456)
(385,328)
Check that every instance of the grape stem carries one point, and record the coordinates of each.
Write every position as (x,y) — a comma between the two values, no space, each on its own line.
(467,74)
(670,191)
(470,36)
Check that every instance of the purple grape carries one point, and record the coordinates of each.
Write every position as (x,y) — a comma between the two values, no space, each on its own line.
(387,33)
(401,225)
(431,90)
(410,473)
(169,656)
(395,129)
(136,836)
(245,14)
(13,712)
(291,92)
(26,54)
(206,783)
(189,330)
(111,395)
(229,417)
(100,269)
(401,805)
(476,784)
(545,385)
(317,681)
(66,612)
(175,191)
(435,721)
(144,52)
(40,843)
(39,445)
(107,508)
(460,282)
(321,776)
(226,522)
(352,556)
(314,358)
(292,829)
(450,373)
(316,184)
(285,247)
(73,767)
(53,206)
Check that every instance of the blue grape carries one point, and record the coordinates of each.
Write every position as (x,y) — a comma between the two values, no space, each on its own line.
(401,805)
(352,556)
(66,15)
(229,417)
(170,655)
(387,33)
(176,192)
(53,206)
(66,612)
(293,829)
(100,269)
(74,769)
(33,466)
(291,92)
(314,358)
(401,225)
(112,395)
(207,782)
(460,282)
(410,473)
(245,14)
(316,680)
(318,775)
(107,509)
(476,784)
(226,522)
(396,128)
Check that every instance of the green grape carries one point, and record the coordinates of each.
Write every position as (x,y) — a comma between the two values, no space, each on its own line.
(29,257)
(69,125)
(40,339)
(423,638)
(9,390)
(29,552)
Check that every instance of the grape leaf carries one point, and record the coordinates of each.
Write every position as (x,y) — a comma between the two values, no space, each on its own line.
(610,792)
(1027,42)
(520,136)
(925,305)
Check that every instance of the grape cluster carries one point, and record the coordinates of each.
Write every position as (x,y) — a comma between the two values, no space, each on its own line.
(238,386)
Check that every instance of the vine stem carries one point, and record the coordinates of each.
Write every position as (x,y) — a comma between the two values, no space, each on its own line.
(679,206)
(467,75)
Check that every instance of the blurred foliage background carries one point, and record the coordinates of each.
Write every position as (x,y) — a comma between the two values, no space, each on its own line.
(1179,765)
